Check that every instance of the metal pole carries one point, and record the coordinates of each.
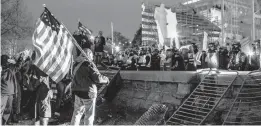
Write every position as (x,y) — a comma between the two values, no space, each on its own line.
(112,45)
(253,25)
(222,23)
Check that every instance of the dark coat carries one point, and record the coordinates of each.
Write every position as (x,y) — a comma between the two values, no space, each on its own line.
(84,77)
(99,44)
(9,81)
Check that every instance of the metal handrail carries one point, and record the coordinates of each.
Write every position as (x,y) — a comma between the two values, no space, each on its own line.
(239,93)
(188,96)
(222,95)
(192,93)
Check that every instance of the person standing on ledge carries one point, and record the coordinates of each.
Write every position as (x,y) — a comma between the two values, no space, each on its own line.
(85,77)
(99,47)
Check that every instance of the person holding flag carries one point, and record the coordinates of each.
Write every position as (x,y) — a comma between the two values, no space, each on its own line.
(53,46)
(85,75)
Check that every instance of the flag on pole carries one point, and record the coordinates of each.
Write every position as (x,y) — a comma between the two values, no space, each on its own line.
(84,29)
(53,45)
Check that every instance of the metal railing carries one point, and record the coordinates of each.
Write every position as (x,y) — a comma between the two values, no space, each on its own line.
(246,99)
(202,101)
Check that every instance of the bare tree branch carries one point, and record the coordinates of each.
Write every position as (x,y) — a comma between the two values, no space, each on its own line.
(16,23)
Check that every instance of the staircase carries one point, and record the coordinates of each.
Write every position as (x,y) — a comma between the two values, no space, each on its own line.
(202,101)
(246,106)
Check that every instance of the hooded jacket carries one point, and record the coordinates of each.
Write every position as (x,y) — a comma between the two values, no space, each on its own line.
(85,77)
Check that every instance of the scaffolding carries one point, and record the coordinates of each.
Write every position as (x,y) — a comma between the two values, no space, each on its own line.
(191,25)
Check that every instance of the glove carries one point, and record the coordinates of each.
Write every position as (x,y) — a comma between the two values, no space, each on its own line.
(107,80)
(50,94)
(93,92)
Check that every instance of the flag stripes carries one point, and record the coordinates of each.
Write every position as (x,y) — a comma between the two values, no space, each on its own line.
(53,45)
(149,27)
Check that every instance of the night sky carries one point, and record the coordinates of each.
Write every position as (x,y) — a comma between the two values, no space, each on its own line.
(96,14)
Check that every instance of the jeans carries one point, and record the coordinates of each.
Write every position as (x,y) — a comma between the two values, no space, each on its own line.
(60,95)
(98,56)
(6,108)
(86,107)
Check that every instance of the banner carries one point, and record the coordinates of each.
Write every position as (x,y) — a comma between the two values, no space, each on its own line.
(172,27)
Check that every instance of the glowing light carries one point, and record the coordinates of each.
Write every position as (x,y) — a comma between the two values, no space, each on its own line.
(191,1)
(92,37)
(117,48)
(250,53)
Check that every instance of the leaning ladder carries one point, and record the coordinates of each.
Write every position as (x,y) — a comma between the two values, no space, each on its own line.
(202,101)
(246,105)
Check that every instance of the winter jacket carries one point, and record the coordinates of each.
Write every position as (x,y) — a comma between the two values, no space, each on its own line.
(9,81)
(85,76)
(99,44)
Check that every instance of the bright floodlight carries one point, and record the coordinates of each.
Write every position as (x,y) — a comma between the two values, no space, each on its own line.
(250,53)
(117,48)
(92,37)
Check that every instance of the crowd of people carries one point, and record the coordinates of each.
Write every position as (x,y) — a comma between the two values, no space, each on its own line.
(187,58)
(26,90)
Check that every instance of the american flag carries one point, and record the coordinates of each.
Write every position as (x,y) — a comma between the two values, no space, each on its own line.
(84,29)
(53,45)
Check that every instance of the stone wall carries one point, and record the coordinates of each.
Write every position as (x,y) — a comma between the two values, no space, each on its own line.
(140,95)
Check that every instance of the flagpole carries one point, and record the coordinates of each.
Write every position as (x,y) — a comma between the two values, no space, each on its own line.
(77,45)
(222,23)
(112,38)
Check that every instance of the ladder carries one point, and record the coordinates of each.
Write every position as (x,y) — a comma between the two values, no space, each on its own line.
(202,101)
(246,105)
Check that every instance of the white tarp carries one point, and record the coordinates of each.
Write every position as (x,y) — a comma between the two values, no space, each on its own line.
(161,20)
(205,41)
(172,27)
(161,39)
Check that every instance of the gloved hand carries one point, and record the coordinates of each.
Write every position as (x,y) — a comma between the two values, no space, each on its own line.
(107,80)
(93,92)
